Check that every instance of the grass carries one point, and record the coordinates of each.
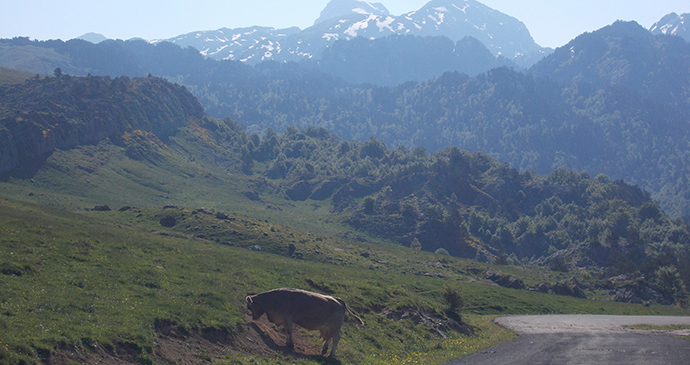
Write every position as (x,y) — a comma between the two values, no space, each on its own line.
(71,279)
(81,178)
(9,76)
(31,58)
(443,350)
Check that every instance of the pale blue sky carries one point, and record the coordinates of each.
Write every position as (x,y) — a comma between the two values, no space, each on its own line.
(551,22)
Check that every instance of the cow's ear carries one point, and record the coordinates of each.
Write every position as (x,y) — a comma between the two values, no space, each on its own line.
(249,299)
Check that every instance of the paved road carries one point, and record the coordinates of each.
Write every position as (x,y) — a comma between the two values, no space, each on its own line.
(585,339)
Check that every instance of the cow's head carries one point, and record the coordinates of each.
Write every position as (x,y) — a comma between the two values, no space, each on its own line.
(256,310)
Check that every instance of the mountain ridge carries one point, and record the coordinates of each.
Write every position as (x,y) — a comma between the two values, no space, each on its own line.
(395,59)
(623,53)
(93,37)
(500,33)
(42,115)
(337,8)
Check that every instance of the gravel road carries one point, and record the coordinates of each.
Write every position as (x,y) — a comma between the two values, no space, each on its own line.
(586,339)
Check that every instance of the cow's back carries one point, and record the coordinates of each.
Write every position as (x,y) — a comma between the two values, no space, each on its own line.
(309,310)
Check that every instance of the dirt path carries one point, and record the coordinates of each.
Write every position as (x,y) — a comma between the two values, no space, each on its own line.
(586,339)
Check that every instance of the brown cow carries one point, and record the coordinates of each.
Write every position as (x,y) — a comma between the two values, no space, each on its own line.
(311,311)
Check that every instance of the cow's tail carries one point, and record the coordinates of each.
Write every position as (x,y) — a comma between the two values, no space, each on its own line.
(349,311)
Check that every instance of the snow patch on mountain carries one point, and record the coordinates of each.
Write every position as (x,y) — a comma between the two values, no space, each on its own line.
(463,9)
(354,29)
(386,23)
(673,24)
(439,16)
(331,36)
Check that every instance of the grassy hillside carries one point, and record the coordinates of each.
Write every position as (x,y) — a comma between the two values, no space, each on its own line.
(146,142)
(10,76)
(204,213)
(81,178)
(118,281)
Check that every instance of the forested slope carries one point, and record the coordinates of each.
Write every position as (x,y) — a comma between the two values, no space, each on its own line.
(615,108)
(473,206)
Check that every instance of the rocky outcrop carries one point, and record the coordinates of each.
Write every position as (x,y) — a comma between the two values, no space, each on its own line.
(39,116)
(572,288)
(504,280)
(635,289)
(433,321)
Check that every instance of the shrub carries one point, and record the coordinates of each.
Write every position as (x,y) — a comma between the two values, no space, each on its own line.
(442,251)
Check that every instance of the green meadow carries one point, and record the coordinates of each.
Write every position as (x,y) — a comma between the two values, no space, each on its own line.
(72,279)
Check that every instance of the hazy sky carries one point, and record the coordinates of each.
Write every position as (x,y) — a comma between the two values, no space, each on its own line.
(552,23)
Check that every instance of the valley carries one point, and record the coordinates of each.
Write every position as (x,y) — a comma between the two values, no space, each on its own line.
(163,225)
(435,170)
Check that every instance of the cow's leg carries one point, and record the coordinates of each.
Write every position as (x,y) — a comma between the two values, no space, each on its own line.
(326,335)
(336,338)
(288,331)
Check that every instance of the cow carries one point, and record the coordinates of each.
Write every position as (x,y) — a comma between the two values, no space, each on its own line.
(308,310)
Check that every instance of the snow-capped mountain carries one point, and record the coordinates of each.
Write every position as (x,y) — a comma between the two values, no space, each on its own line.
(340,8)
(673,24)
(253,44)
(501,34)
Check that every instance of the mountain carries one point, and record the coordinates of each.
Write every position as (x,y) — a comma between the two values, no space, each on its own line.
(501,33)
(394,60)
(623,54)
(251,45)
(93,37)
(338,8)
(456,19)
(673,24)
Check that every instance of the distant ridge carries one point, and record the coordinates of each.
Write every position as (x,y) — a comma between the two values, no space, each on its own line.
(94,38)
(340,8)
(646,63)
(502,34)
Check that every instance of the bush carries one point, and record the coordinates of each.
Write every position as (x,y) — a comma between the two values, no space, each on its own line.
(442,251)
(452,297)
(455,302)
(558,264)
(669,283)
